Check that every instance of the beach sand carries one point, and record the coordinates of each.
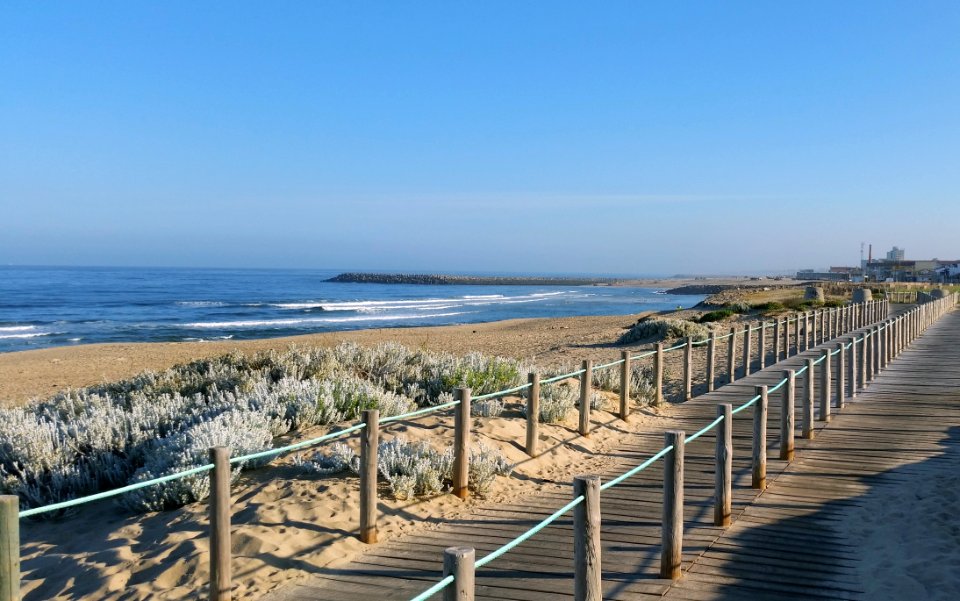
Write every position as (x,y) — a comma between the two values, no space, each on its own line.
(287,522)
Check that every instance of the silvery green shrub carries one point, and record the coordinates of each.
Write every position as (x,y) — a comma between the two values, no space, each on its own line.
(556,401)
(243,431)
(487,408)
(663,329)
(414,469)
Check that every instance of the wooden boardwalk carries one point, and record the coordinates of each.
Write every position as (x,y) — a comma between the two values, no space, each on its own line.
(783,543)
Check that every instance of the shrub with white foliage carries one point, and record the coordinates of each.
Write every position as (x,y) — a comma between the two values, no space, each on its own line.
(663,329)
(414,469)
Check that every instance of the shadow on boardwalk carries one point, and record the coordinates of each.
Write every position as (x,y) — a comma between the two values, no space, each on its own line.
(898,538)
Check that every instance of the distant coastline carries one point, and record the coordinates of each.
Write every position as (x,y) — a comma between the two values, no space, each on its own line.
(461,280)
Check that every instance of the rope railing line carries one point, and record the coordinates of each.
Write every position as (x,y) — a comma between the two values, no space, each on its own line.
(778,386)
(673,348)
(499,393)
(116,491)
(562,377)
(436,588)
(819,361)
(529,533)
(705,429)
(724,337)
(745,405)
(606,365)
(298,445)
(642,355)
(834,353)
(637,469)
(800,371)
(419,412)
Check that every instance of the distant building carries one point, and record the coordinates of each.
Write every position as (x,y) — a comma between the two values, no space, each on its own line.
(825,276)
(926,270)
(896,254)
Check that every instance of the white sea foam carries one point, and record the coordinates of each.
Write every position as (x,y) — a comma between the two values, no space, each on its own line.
(17,328)
(28,335)
(199,304)
(294,322)
(427,303)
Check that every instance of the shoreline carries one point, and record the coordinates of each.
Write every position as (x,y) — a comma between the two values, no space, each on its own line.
(25,375)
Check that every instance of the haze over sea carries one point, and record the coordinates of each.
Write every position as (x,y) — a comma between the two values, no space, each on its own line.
(55,306)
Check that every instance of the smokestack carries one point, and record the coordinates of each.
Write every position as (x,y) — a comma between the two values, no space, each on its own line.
(870,255)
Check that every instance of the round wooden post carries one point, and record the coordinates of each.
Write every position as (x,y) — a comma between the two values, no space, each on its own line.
(732,356)
(747,350)
(671,553)
(9,548)
(841,375)
(624,385)
(459,562)
(762,345)
(776,340)
(723,478)
(711,360)
(220,576)
(760,439)
(808,392)
(787,416)
(461,444)
(586,540)
(807,330)
(825,392)
(688,369)
(658,374)
(369,449)
(854,366)
(586,382)
(533,414)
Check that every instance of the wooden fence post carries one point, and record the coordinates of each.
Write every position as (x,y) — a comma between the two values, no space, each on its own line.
(760,439)
(776,340)
(732,356)
(624,385)
(787,416)
(711,360)
(688,369)
(533,414)
(9,548)
(586,383)
(460,562)
(825,393)
(461,444)
(220,550)
(723,477)
(369,453)
(762,344)
(658,374)
(747,350)
(841,375)
(808,392)
(586,540)
(854,366)
(671,553)
(807,331)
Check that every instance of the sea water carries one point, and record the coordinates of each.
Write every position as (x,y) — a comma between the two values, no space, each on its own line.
(56,306)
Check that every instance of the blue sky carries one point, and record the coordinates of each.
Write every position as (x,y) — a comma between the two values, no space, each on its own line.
(708,137)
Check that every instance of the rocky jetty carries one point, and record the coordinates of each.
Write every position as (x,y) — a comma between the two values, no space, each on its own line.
(402,278)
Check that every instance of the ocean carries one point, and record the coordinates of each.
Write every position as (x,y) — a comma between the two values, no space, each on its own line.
(57,306)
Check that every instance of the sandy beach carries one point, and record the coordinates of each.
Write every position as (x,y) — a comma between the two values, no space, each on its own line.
(287,521)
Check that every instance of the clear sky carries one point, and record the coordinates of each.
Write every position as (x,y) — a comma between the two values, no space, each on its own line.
(636,137)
